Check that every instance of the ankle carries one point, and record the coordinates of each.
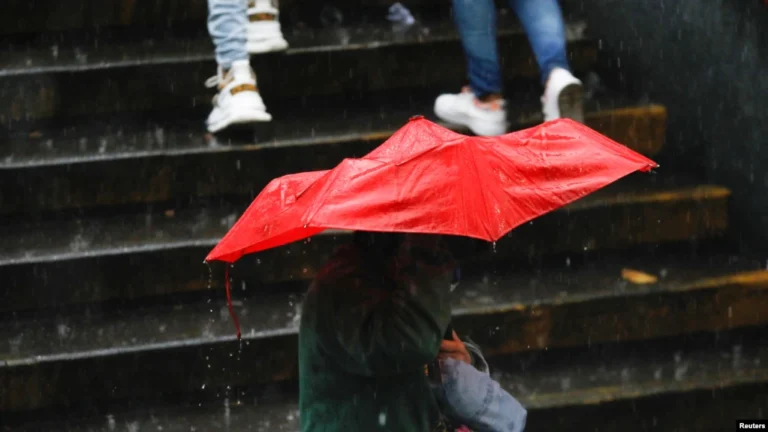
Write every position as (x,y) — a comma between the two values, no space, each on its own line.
(490,97)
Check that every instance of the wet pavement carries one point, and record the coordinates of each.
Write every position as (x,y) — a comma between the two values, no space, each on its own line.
(113,138)
(302,123)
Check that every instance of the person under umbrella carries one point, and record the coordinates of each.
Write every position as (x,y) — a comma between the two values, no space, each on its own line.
(372,322)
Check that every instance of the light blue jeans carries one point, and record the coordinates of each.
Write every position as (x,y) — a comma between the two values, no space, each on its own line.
(476,22)
(227,21)
(474,399)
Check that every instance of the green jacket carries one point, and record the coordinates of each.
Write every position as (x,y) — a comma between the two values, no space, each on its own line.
(364,341)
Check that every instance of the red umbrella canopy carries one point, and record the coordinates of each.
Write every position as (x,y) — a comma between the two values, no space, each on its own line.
(428,179)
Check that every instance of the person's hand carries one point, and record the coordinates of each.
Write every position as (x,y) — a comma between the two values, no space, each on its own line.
(454,349)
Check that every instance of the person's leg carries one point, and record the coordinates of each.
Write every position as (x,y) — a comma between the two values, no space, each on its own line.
(227,22)
(479,107)
(543,23)
(476,24)
(238,100)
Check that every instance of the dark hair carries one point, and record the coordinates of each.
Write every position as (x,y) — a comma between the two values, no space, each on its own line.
(377,247)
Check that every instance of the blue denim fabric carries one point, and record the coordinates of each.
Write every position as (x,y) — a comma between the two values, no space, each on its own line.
(476,22)
(227,20)
(474,399)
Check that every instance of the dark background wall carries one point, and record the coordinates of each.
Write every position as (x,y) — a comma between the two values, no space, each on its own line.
(707,61)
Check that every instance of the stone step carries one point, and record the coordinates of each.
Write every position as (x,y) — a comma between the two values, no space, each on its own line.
(169,74)
(51,20)
(40,58)
(90,359)
(20,16)
(615,387)
(131,256)
(143,159)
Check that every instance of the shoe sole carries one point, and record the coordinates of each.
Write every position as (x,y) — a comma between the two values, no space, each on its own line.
(266,45)
(570,102)
(240,118)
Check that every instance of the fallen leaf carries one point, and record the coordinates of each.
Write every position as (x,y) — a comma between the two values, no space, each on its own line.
(638,277)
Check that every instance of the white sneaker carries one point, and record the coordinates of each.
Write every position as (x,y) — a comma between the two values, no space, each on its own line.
(563,97)
(482,118)
(238,100)
(263,29)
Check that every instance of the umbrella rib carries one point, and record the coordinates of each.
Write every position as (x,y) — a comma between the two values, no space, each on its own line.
(323,194)
(615,148)
(482,194)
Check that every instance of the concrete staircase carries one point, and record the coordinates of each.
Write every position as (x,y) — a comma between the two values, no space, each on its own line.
(111,193)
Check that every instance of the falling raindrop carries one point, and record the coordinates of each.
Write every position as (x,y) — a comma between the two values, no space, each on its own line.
(736,359)
(63,330)
(681,368)
(16,343)
(227,412)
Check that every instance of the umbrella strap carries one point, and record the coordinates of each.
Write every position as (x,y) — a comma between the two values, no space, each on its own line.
(229,301)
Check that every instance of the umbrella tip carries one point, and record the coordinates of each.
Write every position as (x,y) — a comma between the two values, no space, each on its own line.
(416,117)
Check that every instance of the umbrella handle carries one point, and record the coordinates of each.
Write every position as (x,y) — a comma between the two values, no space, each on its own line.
(433,368)
(448,333)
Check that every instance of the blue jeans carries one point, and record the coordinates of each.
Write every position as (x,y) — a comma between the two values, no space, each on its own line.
(476,22)
(474,399)
(227,21)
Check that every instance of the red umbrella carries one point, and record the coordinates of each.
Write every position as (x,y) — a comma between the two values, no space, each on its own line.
(428,179)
